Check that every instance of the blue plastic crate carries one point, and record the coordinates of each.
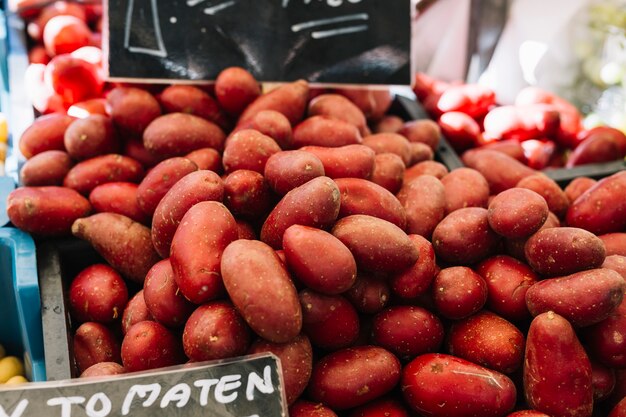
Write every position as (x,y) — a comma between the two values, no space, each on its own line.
(20,307)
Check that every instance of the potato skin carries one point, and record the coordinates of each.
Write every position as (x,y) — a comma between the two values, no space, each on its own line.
(315,203)
(215,331)
(287,170)
(446,386)
(488,340)
(388,172)
(132,109)
(296,362)
(390,143)
(359,196)
(149,345)
(607,339)
(577,187)
(369,294)
(353,376)
(350,161)
(46,211)
(424,202)
(458,292)
(602,208)
(501,171)
(88,174)
(114,236)
(377,245)
(248,149)
(177,134)
(192,100)
(92,136)
(235,89)
(103,369)
(338,107)
(517,213)
(385,406)
(135,311)
(160,179)
(261,290)
(191,189)
(465,187)
(325,131)
(614,243)
(563,251)
(464,237)
(289,99)
(202,235)
(98,293)
(434,168)
(162,297)
(46,168)
(45,134)
(120,198)
(247,194)
(94,343)
(416,280)
(547,188)
(303,408)
(319,260)
(557,371)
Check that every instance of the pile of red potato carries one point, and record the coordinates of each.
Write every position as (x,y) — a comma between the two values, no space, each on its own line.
(541,129)
(312,225)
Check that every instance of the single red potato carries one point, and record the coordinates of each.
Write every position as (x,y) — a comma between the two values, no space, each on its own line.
(103,369)
(248,149)
(517,213)
(416,280)
(607,339)
(46,168)
(149,345)
(614,243)
(88,174)
(235,89)
(288,99)
(465,187)
(369,294)
(303,408)
(247,194)
(287,170)
(132,109)
(192,100)
(98,293)
(388,171)
(577,187)
(165,303)
(350,161)
(458,292)
(423,199)
(136,310)
(120,198)
(325,131)
(338,107)
(94,343)
(91,136)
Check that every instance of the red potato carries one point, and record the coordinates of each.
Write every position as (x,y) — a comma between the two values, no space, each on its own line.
(202,235)
(192,100)
(602,380)
(318,259)
(614,243)
(338,107)
(488,340)
(159,180)
(248,149)
(528,413)
(132,109)
(460,130)
(475,100)
(359,196)
(389,124)
(416,280)
(45,168)
(287,170)
(423,131)
(464,237)
(606,340)
(63,34)
(377,245)
(583,298)
(619,410)
(507,280)
(133,148)
(433,168)
(602,144)
(315,203)
(446,386)
(215,331)
(206,158)
(390,143)
(388,172)
(407,331)
(296,359)
(608,133)
(601,209)
(423,200)
(374,103)
(330,321)
(420,152)
(617,263)
(177,134)
(136,310)
(465,187)
(94,343)
(191,189)
(563,251)
(273,124)
(350,161)
(88,174)
(45,134)
(303,408)
(369,294)
(149,345)
(577,187)
(164,301)
(261,290)
(87,108)
(73,79)
(235,89)
(103,369)
(557,371)
(458,292)
(515,247)
(540,153)
(115,236)
(325,131)
(517,213)
(46,211)
(501,171)
(353,376)
(522,122)
(288,99)
(90,137)
(547,188)
(247,194)
(120,198)
(98,293)
(510,147)
(382,407)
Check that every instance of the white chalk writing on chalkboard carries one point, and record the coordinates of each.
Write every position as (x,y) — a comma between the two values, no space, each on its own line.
(19,410)
(151,32)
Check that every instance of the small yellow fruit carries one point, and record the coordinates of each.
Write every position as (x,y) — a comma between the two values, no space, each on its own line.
(4,129)
(10,366)
(16,380)
(3,151)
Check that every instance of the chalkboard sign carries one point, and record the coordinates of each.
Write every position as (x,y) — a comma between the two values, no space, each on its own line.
(323,41)
(250,387)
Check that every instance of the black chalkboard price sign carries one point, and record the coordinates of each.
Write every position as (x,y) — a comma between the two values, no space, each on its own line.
(323,41)
(249,387)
